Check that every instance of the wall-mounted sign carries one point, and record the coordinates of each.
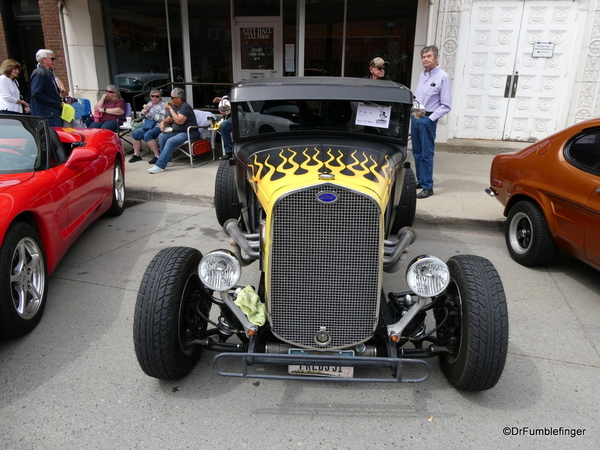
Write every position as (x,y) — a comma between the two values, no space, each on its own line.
(258,32)
(543,50)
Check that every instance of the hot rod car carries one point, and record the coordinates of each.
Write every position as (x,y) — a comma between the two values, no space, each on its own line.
(325,207)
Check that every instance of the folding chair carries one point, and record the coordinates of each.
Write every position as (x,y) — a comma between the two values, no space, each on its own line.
(83,111)
(195,147)
(124,130)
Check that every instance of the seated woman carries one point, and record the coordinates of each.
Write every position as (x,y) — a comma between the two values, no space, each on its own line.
(153,113)
(180,116)
(111,109)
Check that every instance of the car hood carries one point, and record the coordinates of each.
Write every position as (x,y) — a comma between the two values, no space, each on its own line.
(13,179)
(274,171)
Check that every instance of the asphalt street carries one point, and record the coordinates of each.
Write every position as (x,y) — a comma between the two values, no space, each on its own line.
(74,383)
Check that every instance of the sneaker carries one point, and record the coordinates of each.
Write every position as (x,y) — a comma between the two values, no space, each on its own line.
(156,169)
(135,158)
(170,164)
(153,160)
(226,156)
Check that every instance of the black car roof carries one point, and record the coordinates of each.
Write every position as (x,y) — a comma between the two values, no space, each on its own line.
(320,88)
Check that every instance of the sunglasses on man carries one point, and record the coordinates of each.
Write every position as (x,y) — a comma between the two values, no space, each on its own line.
(156,96)
(109,92)
(52,59)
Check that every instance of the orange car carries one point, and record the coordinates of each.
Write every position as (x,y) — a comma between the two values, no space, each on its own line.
(551,196)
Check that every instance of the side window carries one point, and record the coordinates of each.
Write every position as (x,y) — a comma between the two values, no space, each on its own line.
(584,151)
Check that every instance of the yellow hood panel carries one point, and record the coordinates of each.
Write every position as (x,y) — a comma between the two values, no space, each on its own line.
(367,171)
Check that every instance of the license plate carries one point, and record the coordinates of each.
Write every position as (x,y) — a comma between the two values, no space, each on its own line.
(321,370)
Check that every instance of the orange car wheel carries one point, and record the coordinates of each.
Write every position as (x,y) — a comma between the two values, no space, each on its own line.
(527,235)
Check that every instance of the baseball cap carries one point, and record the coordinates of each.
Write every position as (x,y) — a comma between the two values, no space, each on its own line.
(378,62)
(225,106)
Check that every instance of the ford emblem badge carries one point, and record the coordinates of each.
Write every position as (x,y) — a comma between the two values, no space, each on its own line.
(327,197)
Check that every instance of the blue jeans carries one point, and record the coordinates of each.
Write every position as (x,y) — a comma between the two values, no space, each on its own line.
(167,142)
(423,146)
(225,130)
(112,125)
(148,135)
(55,122)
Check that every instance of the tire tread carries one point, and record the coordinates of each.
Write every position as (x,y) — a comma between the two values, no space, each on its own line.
(487,342)
(154,315)
(226,197)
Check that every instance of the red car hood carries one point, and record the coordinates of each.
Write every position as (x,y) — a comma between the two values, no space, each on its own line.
(13,179)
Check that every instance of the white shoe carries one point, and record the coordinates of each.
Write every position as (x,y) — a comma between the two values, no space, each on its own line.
(155,169)
(170,164)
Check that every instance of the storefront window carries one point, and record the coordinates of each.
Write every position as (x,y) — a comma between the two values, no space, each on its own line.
(249,8)
(323,45)
(138,43)
(138,38)
(210,48)
(371,30)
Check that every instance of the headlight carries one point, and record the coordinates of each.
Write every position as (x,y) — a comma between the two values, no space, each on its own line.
(219,270)
(427,276)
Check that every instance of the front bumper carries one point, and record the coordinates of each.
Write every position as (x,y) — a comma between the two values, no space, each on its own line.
(396,365)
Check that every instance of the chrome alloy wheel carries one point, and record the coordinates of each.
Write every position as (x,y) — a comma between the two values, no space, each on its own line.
(27,278)
(119,186)
(520,232)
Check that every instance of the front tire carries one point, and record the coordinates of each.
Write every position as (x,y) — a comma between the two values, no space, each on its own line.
(476,331)
(23,281)
(527,235)
(227,203)
(166,314)
(407,206)
(118,193)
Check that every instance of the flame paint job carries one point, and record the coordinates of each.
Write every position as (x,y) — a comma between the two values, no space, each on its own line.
(275,172)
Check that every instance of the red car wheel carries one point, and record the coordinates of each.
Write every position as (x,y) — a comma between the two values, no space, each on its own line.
(23,281)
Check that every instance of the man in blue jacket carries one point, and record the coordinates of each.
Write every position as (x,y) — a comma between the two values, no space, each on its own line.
(45,93)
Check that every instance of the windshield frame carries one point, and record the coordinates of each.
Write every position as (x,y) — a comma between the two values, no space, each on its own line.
(359,119)
(28,133)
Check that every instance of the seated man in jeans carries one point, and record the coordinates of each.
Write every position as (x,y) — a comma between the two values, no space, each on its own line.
(180,116)
(225,128)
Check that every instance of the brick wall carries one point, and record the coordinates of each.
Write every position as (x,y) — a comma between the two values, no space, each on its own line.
(3,49)
(49,13)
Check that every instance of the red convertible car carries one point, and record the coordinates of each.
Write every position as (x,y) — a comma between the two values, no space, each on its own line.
(53,184)
(551,196)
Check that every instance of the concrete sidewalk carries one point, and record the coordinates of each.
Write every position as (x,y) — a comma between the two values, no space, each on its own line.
(461,174)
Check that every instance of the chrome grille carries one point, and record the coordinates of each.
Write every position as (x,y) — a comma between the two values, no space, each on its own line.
(325,267)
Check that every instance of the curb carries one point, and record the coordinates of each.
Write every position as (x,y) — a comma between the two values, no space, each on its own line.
(136,195)
(144,195)
(480,147)
(459,223)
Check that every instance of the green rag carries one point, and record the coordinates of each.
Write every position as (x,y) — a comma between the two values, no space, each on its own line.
(250,304)
(68,113)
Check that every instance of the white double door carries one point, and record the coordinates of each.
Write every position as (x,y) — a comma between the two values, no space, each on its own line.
(519,69)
